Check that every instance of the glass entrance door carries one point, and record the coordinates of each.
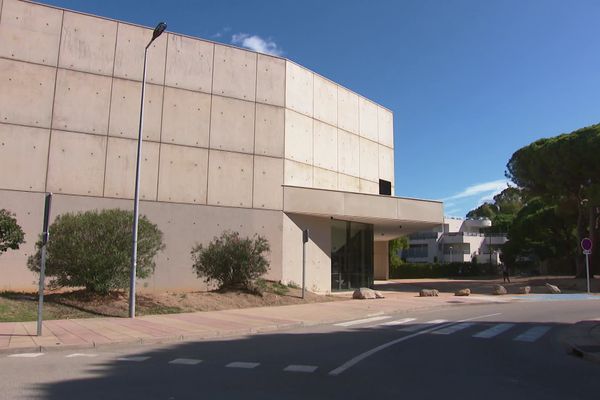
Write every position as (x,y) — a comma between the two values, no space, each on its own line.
(351,255)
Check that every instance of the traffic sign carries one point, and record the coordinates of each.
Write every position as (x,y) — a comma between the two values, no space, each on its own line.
(586,245)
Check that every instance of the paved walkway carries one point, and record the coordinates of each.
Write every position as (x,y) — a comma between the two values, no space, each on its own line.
(19,337)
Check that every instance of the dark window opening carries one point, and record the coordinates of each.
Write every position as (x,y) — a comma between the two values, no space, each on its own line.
(385,187)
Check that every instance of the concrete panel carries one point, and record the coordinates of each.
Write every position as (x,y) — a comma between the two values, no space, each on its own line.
(325,179)
(235,73)
(326,101)
(270,80)
(298,137)
(347,110)
(129,54)
(120,169)
(125,110)
(23,157)
(386,163)
(325,146)
(420,210)
(369,160)
(232,125)
(26,95)
(368,119)
(230,179)
(268,178)
(81,102)
(76,164)
(269,130)
(297,174)
(88,43)
(312,201)
(348,153)
(348,183)
(299,89)
(369,187)
(186,117)
(385,126)
(30,32)
(189,63)
(182,174)
(370,206)
(381,260)
(318,252)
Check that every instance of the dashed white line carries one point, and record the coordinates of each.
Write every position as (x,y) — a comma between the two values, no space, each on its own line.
(242,364)
(185,361)
(532,334)
(134,359)
(417,327)
(362,321)
(81,355)
(397,322)
(452,329)
(26,355)
(493,331)
(301,368)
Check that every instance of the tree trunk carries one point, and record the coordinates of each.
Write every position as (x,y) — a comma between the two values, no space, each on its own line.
(582,225)
(595,238)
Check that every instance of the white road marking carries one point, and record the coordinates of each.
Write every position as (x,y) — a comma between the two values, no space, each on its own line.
(452,329)
(185,361)
(241,364)
(362,321)
(493,331)
(397,322)
(355,360)
(134,359)
(301,368)
(26,355)
(81,355)
(532,334)
(417,327)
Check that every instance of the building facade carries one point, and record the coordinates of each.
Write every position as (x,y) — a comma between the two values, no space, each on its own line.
(457,240)
(233,140)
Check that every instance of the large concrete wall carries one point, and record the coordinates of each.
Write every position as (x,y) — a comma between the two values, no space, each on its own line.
(334,138)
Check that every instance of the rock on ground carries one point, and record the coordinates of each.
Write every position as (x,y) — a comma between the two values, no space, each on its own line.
(463,292)
(429,292)
(525,289)
(378,294)
(499,290)
(552,288)
(364,293)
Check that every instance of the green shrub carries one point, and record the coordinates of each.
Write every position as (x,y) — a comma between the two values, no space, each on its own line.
(11,234)
(93,250)
(230,261)
(455,269)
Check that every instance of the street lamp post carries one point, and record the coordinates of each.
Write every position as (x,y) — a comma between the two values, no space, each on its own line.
(160,28)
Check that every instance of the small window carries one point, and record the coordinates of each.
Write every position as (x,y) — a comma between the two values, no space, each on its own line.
(385,187)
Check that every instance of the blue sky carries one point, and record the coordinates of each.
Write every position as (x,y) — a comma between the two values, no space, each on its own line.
(469,81)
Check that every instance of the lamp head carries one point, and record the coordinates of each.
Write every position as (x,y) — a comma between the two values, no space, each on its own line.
(160,28)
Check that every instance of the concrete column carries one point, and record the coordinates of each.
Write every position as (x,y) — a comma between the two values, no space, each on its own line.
(381,260)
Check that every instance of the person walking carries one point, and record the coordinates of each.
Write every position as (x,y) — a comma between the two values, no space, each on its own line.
(505,274)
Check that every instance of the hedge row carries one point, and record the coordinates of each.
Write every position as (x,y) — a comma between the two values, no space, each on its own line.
(423,270)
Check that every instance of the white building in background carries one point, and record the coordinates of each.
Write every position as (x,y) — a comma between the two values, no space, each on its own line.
(461,240)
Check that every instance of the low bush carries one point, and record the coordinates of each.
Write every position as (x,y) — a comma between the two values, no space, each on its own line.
(231,261)
(456,269)
(11,234)
(93,250)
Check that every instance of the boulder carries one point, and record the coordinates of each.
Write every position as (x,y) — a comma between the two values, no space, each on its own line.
(525,289)
(552,288)
(364,293)
(463,292)
(499,290)
(429,292)
(378,294)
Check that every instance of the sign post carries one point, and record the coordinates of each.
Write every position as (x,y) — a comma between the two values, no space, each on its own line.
(45,237)
(305,234)
(586,245)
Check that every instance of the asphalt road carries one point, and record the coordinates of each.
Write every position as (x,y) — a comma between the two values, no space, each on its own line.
(496,351)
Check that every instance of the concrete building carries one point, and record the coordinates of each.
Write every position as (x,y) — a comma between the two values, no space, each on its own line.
(233,140)
(462,240)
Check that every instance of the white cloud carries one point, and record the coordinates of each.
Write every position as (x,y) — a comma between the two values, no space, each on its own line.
(256,43)
(489,189)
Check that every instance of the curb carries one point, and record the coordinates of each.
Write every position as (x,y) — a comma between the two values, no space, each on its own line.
(580,342)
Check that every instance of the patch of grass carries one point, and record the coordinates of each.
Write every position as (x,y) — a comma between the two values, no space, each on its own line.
(279,288)
(19,307)
(293,285)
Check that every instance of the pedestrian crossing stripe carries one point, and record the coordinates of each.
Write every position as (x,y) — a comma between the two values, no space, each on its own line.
(532,334)
(493,331)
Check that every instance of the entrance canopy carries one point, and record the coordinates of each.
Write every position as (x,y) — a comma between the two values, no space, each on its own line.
(390,216)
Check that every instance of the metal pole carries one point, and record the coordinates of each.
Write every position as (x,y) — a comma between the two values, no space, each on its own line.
(45,236)
(303,268)
(136,199)
(587,270)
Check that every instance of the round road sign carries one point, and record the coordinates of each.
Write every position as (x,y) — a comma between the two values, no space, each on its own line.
(586,244)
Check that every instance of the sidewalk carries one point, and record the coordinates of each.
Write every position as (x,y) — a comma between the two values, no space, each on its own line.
(19,337)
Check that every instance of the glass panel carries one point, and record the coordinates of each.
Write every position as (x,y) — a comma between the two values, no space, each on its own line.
(351,255)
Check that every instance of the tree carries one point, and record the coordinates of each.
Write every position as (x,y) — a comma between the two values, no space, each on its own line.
(11,234)
(93,250)
(394,248)
(564,171)
(502,211)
